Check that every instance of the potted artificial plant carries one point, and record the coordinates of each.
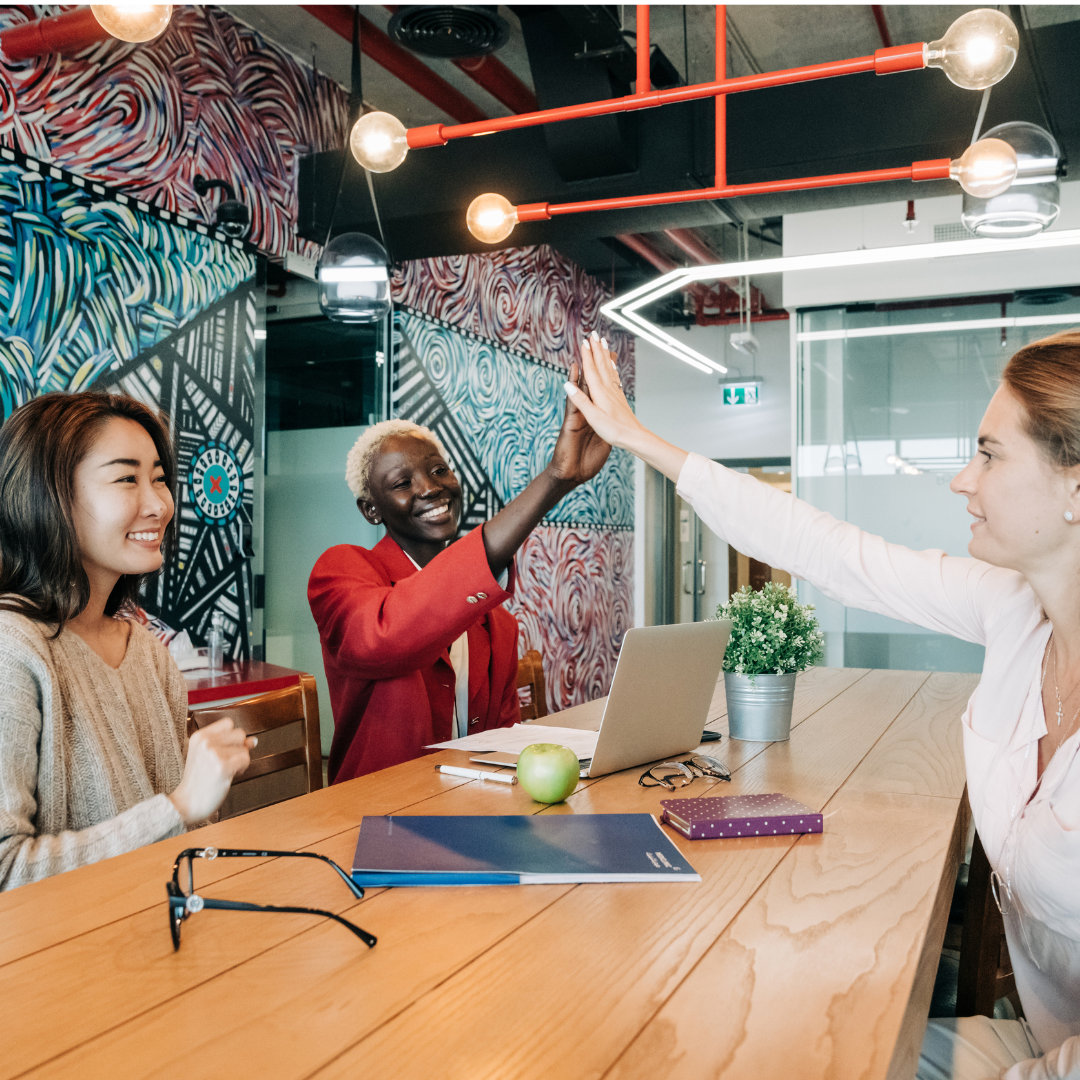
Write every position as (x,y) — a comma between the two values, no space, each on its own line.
(773,638)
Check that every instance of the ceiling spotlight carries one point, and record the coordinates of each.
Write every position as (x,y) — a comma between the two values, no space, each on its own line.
(491,217)
(986,168)
(232,217)
(977,51)
(354,279)
(1031,203)
(378,141)
(133,21)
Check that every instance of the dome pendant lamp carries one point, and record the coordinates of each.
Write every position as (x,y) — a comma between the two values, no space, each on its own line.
(1031,202)
(353,272)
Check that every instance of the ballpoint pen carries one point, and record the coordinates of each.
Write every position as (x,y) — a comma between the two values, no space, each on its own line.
(477,774)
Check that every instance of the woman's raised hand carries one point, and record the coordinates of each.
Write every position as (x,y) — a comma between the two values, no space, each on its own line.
(604,405)
(602,402)
(579,452)
(216,754)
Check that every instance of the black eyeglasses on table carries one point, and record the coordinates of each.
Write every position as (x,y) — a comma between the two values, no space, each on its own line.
(673,774)
(186,901)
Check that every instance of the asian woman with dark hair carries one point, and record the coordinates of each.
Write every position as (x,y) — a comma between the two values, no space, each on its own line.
(93,709)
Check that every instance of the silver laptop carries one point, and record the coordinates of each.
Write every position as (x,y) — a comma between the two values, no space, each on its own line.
(659,701)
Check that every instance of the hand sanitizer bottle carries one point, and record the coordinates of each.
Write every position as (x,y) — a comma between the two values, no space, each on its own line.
(215,641)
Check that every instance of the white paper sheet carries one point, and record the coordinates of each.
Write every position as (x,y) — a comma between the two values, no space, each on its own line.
(514,739)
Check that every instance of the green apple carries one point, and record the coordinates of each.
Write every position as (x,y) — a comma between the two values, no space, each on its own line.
(547,771)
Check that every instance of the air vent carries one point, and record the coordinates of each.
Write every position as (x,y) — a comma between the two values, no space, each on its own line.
(951,231)
(449,31)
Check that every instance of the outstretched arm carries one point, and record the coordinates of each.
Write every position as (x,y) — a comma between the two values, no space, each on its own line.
(579,454)
(604,406)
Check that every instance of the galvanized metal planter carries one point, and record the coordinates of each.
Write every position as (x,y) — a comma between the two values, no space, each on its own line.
(759,710)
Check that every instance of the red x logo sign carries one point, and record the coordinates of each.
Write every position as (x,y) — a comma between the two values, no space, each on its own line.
(215,485)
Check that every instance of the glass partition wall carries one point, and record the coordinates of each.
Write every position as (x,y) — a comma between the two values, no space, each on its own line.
(889,402)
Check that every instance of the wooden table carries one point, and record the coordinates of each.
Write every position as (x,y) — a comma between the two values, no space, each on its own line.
(802,957)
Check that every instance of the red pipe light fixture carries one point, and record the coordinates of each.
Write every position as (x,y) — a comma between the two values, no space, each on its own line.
(491,217)
(133,21)
(978,50)
(378,142)
(82,27)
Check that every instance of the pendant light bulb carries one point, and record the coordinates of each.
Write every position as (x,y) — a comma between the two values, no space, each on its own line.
(491,218)
(133,21)
(977,51)
(986,168)
(379,142)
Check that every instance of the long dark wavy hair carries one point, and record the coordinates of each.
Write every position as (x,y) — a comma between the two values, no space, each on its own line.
(41,445)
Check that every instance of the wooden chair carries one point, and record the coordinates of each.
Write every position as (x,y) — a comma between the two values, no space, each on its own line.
(985,973)
(288,760)
(532,693)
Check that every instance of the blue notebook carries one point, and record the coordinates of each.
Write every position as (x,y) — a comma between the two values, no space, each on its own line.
(525,849)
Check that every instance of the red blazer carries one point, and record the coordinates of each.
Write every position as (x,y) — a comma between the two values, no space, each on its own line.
(386,629)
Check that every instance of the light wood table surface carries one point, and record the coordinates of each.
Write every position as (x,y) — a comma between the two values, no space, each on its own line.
(804,957)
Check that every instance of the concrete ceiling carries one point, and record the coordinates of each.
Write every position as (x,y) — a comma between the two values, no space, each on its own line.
(854,122)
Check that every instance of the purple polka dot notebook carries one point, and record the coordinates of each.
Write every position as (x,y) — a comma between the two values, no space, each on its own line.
(739,815)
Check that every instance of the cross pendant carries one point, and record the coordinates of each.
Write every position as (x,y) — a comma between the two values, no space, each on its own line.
(1060,714)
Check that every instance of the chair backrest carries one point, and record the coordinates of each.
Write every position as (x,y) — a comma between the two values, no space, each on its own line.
(532,693)
(985,973)
(288,760)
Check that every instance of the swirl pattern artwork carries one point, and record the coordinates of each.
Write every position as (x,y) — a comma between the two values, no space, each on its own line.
(574,603)
(529,300)
(512,409)
(209,97)
(88,280)
(483,346)
(99,294)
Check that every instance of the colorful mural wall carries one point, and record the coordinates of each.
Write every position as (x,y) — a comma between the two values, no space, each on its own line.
(483,347)
(110,291)
(96,293)
(209,97)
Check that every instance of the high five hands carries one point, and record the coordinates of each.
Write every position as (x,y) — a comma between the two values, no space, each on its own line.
(579,452)
(603,404)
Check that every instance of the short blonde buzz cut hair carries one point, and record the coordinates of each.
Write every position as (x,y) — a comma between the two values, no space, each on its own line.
(362,456)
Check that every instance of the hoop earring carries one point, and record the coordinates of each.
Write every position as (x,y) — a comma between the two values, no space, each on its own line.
(1068,515)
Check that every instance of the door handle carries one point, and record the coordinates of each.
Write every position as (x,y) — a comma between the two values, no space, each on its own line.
(687,584)
(701,577)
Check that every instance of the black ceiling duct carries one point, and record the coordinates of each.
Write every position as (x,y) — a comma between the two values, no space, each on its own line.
(449,30)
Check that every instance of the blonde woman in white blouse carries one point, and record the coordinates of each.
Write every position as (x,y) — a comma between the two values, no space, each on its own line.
(92,707)
(1019,596)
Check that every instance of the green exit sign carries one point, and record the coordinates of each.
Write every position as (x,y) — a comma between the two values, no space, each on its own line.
(741,394)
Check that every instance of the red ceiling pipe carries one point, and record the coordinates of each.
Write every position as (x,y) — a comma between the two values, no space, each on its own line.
(703,319)
(69,32)
(495,77)
(720,175)
(883,62)
(397,61)
(936,169)
(699,292)
(641,33)
(640,245)
(688,242)
(882,25)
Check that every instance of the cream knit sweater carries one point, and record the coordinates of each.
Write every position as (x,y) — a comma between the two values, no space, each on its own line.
(87,751)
